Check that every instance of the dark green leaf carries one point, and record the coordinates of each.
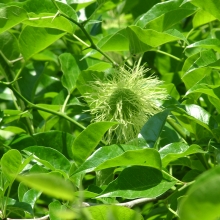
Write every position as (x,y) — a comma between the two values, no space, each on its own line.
(138,182)
(9,46)
(153,127)
(57,140)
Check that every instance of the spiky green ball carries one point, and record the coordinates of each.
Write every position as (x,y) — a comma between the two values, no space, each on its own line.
(129,99)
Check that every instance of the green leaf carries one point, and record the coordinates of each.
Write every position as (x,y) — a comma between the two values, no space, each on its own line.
(67,10)
(174,151)
(194,116)
(141,40)
(138,182)
(77,5)
(31,196)
(58,211)
(107,212)
(50,158)
(203,59)
(70,71)
(112,42)
(164,15)
(103,154)
(207,44)
(142,157)
(38,6)
(59,22)
(11,163)
(210,90)
(34,39)
(211,6)
(11,16)
(202,17)
(51,185)
(87,141)
(153,128)
(202,198)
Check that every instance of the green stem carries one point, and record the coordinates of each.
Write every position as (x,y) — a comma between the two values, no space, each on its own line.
(83,42)
(171,210)
(6,200)
(65,103)
(32,105)
(81,26)
(167,54)
(182,183)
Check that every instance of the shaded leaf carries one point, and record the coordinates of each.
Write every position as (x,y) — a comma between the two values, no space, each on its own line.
(153,127)
(9,45)
(138,182)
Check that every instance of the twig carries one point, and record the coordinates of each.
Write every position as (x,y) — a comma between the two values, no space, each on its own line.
(132,203)
(167,54)
(41,218)
(129,204)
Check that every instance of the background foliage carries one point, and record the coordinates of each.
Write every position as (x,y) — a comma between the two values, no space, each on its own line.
(53,160)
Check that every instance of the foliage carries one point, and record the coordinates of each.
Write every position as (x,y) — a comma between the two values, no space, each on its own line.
(55,162)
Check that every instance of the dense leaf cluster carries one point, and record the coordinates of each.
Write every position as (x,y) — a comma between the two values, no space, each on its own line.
(55,162)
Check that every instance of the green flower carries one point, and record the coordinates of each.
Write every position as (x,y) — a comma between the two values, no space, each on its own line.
(127,98)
